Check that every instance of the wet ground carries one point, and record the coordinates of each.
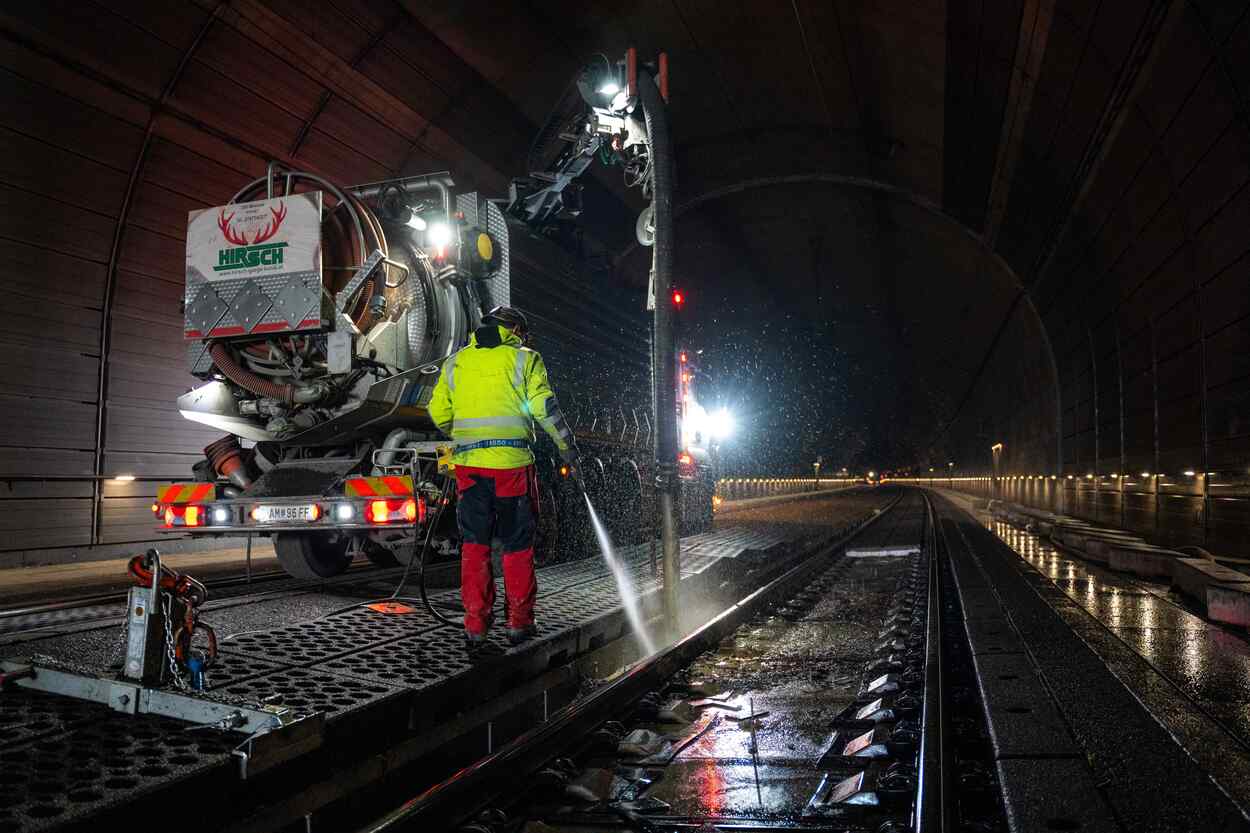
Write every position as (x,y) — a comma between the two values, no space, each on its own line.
(798,675)
(761,707)
(1208,663)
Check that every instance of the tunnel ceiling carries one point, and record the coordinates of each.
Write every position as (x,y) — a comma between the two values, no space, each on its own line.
(999,198)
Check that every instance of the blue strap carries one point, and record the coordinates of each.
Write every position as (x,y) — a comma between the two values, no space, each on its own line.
(493,444)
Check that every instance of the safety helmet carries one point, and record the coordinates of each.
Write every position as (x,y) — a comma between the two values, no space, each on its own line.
(508,317)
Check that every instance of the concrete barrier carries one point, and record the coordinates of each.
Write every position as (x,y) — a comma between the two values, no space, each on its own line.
(1143,560)
(1229,603)
(1097,545)
(1192,576)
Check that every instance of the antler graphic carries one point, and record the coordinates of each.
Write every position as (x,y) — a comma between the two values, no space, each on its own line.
(270,230)
(223,223)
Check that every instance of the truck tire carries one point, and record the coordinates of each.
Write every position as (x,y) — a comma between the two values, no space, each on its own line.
(309,556)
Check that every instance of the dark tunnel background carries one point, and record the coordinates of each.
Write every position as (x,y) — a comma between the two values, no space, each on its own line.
(909,231)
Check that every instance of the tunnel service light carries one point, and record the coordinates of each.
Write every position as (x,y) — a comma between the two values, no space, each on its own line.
(1189,472)
(417,222)
(124,478)
(610,88)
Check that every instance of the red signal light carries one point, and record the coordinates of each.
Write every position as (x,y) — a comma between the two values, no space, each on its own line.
(683,358)
(678,298)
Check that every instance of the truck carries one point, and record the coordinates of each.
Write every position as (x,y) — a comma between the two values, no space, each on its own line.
(318,317)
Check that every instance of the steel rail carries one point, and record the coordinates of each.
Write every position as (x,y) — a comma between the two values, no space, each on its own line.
(934,811)
(455,800)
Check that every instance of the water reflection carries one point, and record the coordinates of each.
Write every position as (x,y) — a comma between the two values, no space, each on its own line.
(1208,663)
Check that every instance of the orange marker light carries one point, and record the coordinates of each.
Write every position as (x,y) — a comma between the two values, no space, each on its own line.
(409,509)
(169,516)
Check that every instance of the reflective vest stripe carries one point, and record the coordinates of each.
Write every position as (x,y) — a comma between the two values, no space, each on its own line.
(518,376)
(493,422)
(451,371)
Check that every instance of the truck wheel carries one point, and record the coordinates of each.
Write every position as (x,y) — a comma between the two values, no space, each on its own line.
(311,556)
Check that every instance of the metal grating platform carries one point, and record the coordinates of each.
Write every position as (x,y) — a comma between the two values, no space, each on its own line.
(61,759)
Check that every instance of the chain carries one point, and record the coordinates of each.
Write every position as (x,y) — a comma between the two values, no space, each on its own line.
(119,644)
(174,674)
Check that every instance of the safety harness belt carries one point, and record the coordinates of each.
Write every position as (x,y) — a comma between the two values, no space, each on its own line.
(493,444)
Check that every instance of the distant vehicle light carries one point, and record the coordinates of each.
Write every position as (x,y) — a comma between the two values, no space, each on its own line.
(344,511)
(221,515)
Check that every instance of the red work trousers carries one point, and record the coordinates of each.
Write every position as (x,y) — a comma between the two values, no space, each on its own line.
(496,503)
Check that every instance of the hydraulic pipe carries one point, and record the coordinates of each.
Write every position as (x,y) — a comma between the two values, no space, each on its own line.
(664,370)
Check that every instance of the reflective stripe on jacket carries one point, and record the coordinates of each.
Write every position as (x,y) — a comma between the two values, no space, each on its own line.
(495,389)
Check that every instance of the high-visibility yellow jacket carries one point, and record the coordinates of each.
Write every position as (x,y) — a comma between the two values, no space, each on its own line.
(496,389)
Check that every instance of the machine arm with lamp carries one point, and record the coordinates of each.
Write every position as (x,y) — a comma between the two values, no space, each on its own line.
(603,121)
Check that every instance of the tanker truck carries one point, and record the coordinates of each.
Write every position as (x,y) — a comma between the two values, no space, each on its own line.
(317,319)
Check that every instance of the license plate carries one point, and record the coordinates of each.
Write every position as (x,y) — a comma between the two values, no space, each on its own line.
(283,514)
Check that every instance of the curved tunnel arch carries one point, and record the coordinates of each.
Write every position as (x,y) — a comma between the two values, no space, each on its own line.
(385,88)
(1001,267)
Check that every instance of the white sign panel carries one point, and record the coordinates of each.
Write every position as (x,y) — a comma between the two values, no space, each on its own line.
(262,239)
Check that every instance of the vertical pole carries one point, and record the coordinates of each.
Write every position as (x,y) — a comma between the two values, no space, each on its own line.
(664,371)
(249,559)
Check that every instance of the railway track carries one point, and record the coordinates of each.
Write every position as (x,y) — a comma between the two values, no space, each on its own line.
(889,755)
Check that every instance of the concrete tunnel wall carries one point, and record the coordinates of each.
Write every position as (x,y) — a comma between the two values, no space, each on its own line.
(1144,289)
(1123,216)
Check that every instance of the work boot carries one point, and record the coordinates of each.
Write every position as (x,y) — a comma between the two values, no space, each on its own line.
(518,635)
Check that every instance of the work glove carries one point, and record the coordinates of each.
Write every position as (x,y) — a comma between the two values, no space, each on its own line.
(573,459)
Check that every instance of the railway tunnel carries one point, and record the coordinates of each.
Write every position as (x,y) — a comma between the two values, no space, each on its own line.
(967,280)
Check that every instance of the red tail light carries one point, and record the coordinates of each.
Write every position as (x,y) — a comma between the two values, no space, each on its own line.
(399,510)
(184,516)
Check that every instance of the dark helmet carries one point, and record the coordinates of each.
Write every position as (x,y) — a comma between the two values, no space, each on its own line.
(508,317)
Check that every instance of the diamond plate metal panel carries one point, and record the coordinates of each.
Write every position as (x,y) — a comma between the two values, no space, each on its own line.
(206,310)
(249,306)
(295,300)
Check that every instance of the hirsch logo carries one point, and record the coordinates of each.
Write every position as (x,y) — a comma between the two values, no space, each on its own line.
(249,254)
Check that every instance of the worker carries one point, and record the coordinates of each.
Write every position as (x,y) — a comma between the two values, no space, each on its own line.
(488,397)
